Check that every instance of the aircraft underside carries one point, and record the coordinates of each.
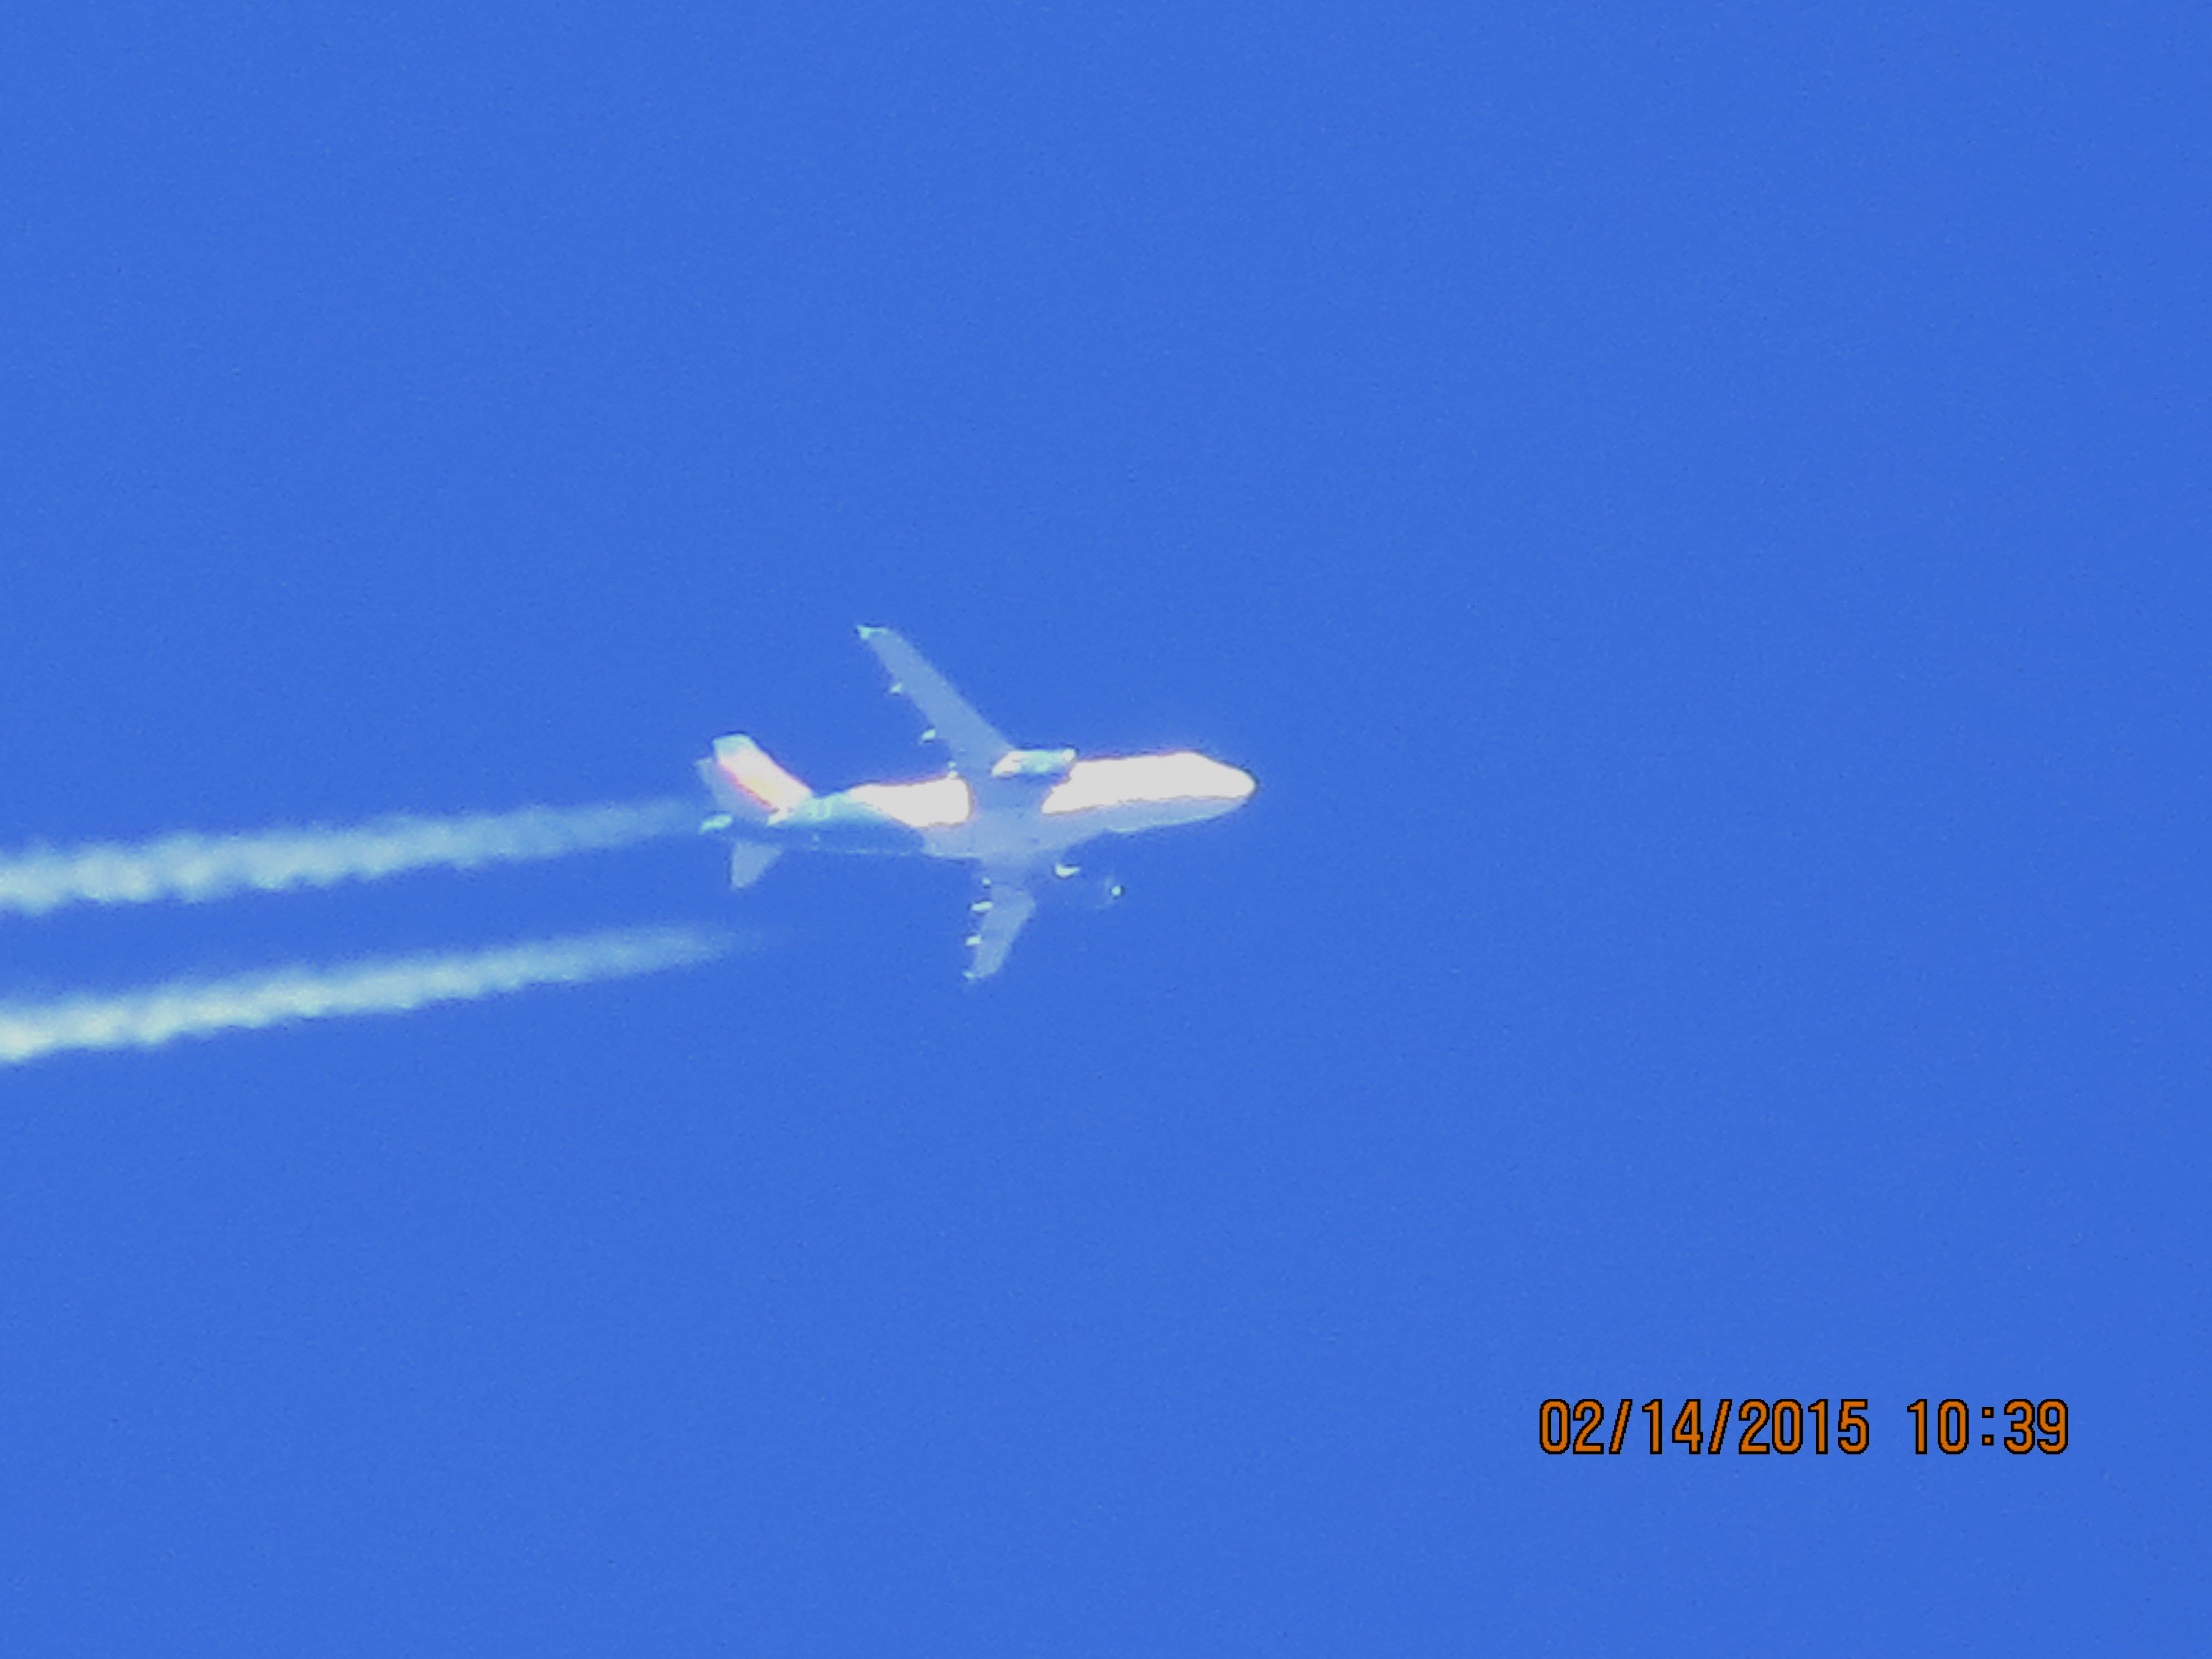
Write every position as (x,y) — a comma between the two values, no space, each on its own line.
(1015,814)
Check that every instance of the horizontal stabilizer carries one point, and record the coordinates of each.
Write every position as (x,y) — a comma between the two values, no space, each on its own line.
(749,862)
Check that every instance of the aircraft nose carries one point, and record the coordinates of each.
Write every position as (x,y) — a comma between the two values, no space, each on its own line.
(1240,783)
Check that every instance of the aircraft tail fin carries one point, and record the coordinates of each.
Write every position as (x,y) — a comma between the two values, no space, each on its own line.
(748,785)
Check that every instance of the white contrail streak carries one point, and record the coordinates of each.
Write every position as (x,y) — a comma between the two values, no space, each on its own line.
(162,1013)
(192,867)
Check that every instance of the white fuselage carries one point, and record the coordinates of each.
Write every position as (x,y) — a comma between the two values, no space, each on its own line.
(1009,812)
(1018,822)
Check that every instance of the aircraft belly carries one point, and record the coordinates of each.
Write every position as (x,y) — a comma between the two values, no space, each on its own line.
(867,842)
(838,823)
(1131,818)
(1004,839)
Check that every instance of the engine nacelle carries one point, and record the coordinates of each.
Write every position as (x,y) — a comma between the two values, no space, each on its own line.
(1072,886)
(1034,765)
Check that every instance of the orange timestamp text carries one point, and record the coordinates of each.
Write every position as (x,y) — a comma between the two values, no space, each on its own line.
(1785,1427)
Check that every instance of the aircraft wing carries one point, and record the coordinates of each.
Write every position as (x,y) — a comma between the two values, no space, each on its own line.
(974,742)
(1004,903)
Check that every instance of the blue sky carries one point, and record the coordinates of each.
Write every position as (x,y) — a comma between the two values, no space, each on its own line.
(1697,519)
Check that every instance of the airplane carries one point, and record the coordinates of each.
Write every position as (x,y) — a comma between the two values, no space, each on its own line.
(1013,813)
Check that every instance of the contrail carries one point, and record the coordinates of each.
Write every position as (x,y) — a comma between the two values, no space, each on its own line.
(162,1013)
(193,867)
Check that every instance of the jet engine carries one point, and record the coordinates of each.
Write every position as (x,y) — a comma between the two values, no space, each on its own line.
(1034,765)
(1074,886)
